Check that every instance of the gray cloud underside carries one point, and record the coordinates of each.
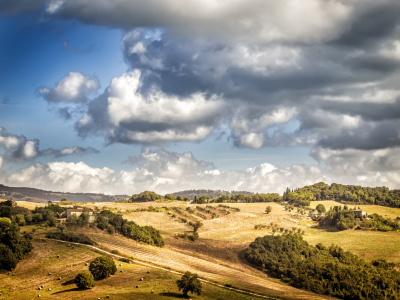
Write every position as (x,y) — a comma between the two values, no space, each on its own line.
(20,149)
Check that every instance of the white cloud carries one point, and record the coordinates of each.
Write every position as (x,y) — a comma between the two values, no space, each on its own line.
(20,149)
(54,5)
(62,176)
(163,172)
(153,118)
(72,88)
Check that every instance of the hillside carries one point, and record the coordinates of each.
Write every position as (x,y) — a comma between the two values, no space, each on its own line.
(37,195)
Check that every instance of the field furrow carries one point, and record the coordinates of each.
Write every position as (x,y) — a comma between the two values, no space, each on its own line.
(211,271)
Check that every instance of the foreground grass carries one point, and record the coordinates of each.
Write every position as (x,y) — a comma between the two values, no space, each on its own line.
(34,271)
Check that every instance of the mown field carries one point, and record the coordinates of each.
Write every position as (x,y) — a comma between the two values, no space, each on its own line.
(34,271)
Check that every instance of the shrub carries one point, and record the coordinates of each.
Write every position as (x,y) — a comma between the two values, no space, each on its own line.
(102,267)
(84,280)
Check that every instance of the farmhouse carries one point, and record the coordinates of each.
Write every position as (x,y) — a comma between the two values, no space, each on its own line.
(360,213)
(78,211)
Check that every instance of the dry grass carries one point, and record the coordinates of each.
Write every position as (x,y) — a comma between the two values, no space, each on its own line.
(367,244)
(32,272)
(30,205)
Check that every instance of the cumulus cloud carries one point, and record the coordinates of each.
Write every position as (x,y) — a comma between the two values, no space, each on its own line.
(20,149)
(163,172)
(127,116)
(72,88)
(71,177)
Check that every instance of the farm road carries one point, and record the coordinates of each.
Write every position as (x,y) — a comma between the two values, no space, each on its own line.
(210,271)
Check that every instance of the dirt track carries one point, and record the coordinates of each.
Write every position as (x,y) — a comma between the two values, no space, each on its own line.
(245,279)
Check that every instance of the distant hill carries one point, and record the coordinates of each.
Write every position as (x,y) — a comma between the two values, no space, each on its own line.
(37,195)
(210,193)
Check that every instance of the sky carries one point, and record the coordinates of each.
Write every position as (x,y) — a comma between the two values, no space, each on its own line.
(123,96)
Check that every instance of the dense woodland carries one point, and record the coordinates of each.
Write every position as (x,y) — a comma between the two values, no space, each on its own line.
(324,270)
(351,194)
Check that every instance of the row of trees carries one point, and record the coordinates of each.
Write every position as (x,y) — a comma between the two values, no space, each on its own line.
(324,270)
(238,198)
(346,193)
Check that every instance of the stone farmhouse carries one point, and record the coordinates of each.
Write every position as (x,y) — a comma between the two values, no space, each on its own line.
(360,213)
(77,211)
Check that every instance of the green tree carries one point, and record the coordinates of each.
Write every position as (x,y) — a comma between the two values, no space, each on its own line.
(320,208)
(8,261)
(84,280)
(145,197)
(20,219)
(102,267)
(189,282)
(268,209)
(169,197)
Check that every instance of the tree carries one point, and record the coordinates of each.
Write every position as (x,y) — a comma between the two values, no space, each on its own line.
(189,282)
(169,197)
(197,225)
(20,219)
(320,208)
(8,261)
(84,280)
(268,209)
(145,196)
(102,267)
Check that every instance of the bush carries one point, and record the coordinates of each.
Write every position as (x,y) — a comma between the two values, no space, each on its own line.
(189,283)
(102,267)
(84,280)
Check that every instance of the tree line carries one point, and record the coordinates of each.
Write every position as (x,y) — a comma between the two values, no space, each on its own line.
(350,194)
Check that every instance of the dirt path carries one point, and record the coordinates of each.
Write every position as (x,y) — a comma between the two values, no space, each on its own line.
(209,270)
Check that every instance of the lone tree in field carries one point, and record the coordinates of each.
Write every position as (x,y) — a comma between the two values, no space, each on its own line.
(102,267)
(268,209)
(84,280)
(189,283)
